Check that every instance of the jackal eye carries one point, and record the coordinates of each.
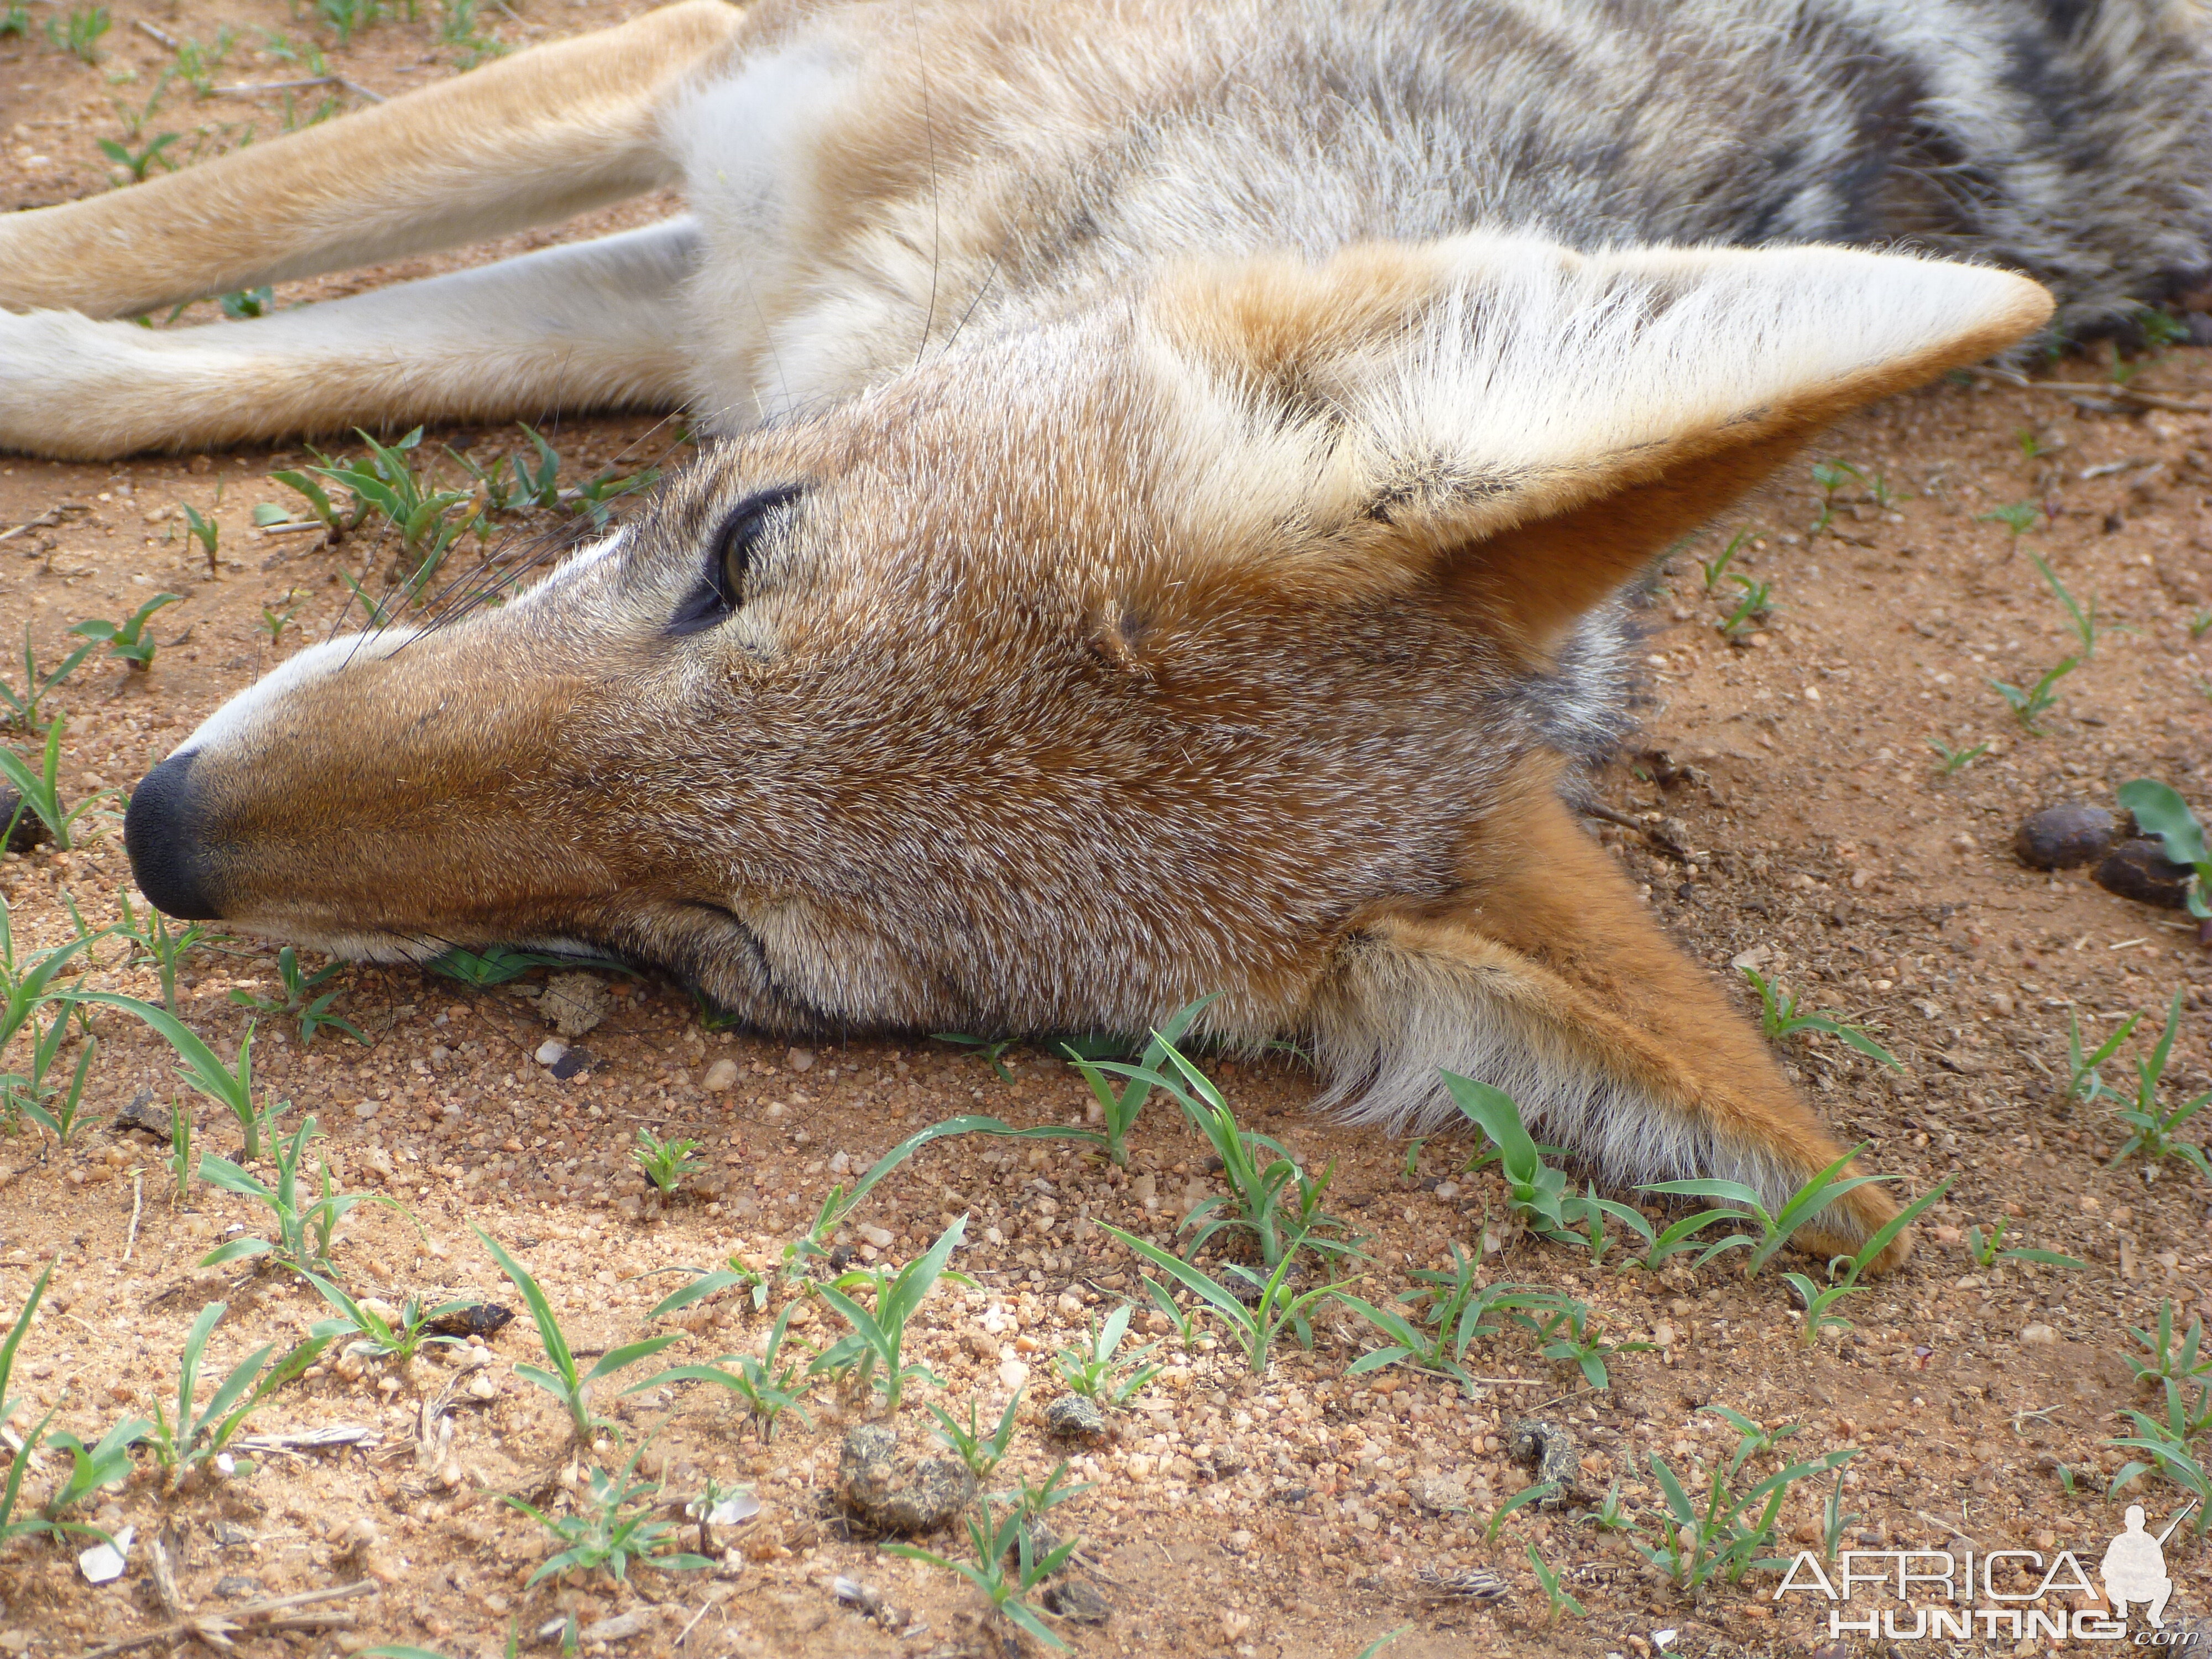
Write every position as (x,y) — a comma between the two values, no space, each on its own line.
(721,586)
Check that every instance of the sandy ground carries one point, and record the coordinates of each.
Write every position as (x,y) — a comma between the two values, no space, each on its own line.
(1810,830)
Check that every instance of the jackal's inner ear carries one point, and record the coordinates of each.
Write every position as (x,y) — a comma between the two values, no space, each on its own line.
(1522,427)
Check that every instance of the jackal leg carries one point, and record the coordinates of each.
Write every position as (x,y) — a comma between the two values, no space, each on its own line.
(538,137)
(1545,977)
(587,325)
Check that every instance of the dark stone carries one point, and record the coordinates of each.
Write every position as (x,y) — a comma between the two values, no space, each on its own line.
(237,1588)
(142,1113)
(483,1319)
(30,830)
(575,1061)
(1077,1417)
(2139,869)
(2063,836)
(895,1493)
(1077,1603)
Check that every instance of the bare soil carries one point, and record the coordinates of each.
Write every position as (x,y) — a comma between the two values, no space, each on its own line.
(1812,831)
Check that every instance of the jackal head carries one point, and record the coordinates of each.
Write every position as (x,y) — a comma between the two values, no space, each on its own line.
(1145,649)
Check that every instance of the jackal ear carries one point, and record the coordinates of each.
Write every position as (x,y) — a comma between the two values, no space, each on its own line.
(1523,425)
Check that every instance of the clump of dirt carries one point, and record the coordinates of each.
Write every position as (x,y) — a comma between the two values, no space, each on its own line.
(1790,804)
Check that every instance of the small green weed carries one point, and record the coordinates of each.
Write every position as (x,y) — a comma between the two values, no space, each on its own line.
(2152,1130)
(27,983)
(496,964)
(613,1527)
(666,1162)
(23,708)
(987,1050)
(1271,1199)
(274,622)
(348,18)
(199,1433)
(1844,1272)
(1091,1369)
(1775,1231)
(428,520)
(1986,1250)
(139,162)
(879,1332)
(319,505)
(1955,760)
(571,1386)
(1458,1312)
(51,1107)
(2019,518)
(2171,1360)
(1721,1533)
(1257,1327)
(837,1204)
(767,1384)
(2083,1080)
(40,790)
(2168,1446)
(128,639)
(1829,476)
(1184,1320)
(78,31)
(2030,705)
(197,65)
(91,1469)
(995,1537)
(2084,624)
(1564,1332)
(241,305)
(153,942)
(180,1160)
(980,1451)
(304,1230)
(1755,599)
(1779,1020)
(312,1011)
(229,1086)
(1714,568)
(1556,1598)
(458,28)
(1119,1109)
(1535,1192)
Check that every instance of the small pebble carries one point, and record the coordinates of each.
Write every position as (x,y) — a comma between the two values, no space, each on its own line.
(30,830)
(2063,836)
(2040,1334)
(1077,1416)
(550,1051)
(800,1060)
(721,1075)
(574,1002)
(895,1492)
(575,1061)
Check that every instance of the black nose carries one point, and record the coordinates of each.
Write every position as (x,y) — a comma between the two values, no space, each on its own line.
(162,834)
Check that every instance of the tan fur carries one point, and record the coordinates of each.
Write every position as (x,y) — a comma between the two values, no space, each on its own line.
(1180,529)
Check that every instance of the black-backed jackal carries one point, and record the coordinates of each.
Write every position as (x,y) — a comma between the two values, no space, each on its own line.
(1176,460)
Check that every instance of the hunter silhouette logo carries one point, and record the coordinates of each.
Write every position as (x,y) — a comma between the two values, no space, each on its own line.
(2133,1568)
